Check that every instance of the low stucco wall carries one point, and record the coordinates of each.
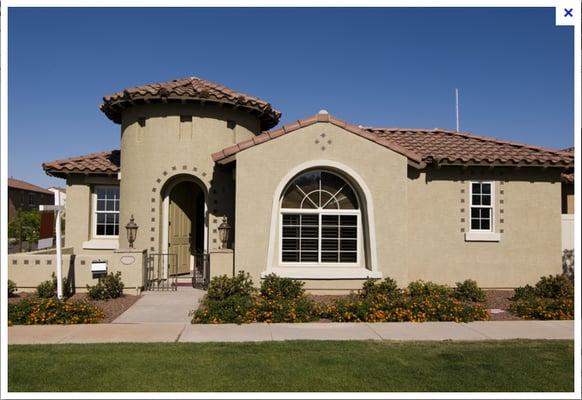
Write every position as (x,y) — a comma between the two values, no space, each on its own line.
(28,270)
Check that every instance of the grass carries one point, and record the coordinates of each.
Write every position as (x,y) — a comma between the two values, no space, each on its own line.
(295,366)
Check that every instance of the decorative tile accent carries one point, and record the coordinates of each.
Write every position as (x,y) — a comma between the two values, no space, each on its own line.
(502,191)
(153,210)
(213,240)
(204,174)
(501,211)
(322,135)
(215,220)
(329,142)
(501,230)
(36,262)
(501,182)
(165,173)
(184,167)
(174,168)
(25,262)
(152,229)
(151,249)
(501,221)
(152,239)
(153,219)
(214,231)
(322,148)
(153,200)
(462,230)
(194,169)
(462,200)
(316,141)
(154,190)
(462,190)
(49,262)
(14,262)
(158,180)
(462,210)
(83,262)
(462,219)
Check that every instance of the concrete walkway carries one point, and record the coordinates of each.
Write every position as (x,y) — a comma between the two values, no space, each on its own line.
(174,332)
(162,307)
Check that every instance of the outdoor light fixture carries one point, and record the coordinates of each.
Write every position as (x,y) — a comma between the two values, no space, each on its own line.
(131,228)
(223,231)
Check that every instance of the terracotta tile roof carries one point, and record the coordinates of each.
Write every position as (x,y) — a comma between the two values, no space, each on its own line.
(320,117)
(22,185)
(441,146)
(437,146)
(104,163)
(189,90)
(568,177)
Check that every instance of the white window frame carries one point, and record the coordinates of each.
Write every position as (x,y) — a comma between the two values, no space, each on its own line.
(320,212)
(482,235)
(491,207)
(94,213)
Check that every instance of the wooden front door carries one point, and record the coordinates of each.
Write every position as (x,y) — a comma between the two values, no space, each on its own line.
(181,223)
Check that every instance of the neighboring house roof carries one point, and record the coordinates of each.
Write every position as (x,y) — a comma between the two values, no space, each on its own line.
(191,89)
(22,185)
(568,177)
(437,146)
(104,163)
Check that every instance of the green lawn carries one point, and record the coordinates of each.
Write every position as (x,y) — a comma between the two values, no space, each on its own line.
(295,366)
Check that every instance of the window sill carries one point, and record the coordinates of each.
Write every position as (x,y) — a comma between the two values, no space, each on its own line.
(323,273)
(101,244)
(482,237)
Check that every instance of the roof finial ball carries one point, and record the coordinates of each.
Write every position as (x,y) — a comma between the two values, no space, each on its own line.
(323,111)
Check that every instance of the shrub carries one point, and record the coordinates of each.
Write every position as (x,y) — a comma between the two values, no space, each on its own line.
(421,288)
(469,291)
(223,287)
(11,288)
(48,289)
(552,297)
(275,287)
(233,309)
(107,287)
(36,311)
(387,287)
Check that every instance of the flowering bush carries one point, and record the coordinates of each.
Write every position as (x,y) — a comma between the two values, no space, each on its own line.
(107,287)
(551,298)
(235,300)
(34,311)
(470,291)
(420,302)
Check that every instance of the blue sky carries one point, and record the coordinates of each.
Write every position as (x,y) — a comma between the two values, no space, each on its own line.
(379,67)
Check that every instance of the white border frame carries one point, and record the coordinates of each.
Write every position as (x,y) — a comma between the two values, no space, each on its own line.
(493,209)
(94,235)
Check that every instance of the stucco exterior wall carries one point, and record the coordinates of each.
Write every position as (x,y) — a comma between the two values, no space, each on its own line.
(420,219)
(261,169)
(29,270)
(527,216)
(167,145)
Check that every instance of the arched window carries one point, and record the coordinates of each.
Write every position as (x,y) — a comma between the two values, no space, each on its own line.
(320,221)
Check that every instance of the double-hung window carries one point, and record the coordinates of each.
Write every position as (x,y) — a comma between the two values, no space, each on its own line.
(106,211)
(320,221)
(482,211)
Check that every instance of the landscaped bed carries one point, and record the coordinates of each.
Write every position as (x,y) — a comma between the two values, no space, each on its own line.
(366,366)
(103,303)
(236,300)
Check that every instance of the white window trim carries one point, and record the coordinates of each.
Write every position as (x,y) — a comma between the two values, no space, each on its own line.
(359,246)
(483,235)
(366,204)
(96,238)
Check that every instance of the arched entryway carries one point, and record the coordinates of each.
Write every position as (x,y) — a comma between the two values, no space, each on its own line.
(184,225)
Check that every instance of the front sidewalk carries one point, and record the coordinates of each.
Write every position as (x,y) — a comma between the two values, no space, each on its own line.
(180,332)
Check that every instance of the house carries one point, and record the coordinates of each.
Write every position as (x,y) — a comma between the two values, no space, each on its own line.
(321,200)
(25,196)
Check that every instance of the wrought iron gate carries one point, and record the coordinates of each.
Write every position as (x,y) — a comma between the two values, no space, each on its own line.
(161,273)
(201,275)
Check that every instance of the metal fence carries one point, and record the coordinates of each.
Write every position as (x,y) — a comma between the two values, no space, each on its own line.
(201,275)
(161,271)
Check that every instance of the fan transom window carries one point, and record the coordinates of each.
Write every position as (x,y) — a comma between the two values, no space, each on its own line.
(320,221)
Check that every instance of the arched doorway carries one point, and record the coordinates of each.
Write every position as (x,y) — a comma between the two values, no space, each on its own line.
(184,226)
